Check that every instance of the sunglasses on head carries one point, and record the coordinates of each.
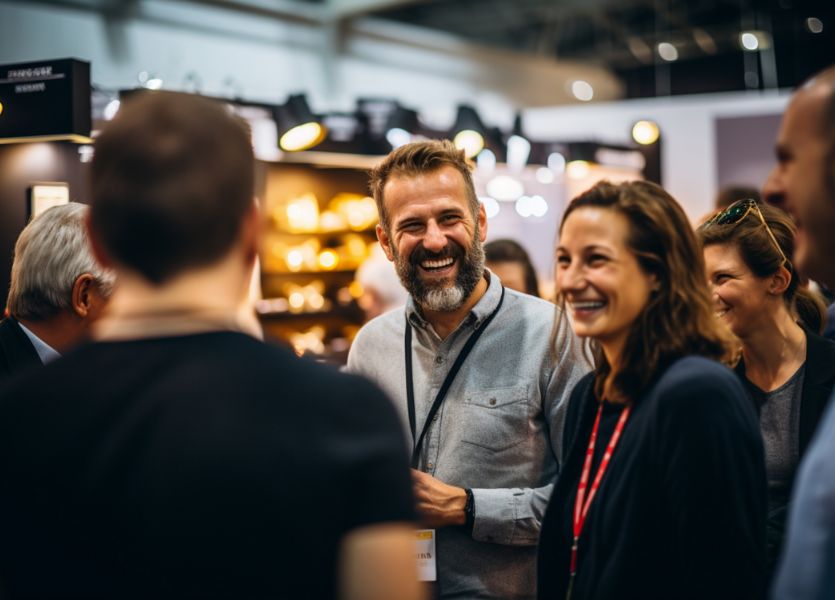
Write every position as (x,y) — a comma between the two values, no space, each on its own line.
(736,212)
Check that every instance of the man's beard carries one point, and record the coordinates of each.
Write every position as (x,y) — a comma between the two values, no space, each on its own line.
(441,296)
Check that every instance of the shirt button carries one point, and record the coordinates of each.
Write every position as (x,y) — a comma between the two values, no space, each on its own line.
(439,359)
(492,402)
(430,465)
(435,418)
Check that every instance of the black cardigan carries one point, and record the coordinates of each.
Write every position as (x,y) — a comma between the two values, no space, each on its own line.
(681,510)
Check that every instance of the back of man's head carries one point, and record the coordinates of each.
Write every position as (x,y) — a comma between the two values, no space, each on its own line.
(51,253)
(172,178)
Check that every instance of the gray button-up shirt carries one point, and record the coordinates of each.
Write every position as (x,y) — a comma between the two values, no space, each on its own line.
(498,431)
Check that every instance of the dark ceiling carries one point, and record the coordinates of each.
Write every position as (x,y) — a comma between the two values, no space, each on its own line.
(624,35)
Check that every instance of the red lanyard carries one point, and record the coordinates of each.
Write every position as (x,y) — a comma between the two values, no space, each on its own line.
(581,508)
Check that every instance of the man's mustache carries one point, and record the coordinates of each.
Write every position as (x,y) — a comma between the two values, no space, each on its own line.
(420,254)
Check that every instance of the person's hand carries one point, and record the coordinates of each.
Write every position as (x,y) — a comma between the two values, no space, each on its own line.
(438,504)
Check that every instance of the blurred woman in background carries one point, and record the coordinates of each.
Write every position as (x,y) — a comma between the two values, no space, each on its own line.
(788,369)
(662,492)
(511,263)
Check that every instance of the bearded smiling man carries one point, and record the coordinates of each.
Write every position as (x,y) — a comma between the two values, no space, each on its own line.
(470,368)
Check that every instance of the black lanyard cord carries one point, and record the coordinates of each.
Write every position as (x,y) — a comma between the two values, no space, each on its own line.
(450,377)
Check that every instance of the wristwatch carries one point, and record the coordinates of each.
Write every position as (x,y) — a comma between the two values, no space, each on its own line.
(469,510)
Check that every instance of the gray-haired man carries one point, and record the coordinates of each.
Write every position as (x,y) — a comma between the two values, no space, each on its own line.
(57,290)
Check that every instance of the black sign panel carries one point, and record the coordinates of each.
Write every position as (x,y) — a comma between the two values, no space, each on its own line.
(46,98)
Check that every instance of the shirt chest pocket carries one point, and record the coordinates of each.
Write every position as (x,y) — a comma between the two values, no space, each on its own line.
(497,418)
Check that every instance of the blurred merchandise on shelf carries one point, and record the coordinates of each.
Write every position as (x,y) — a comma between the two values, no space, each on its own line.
(319,229)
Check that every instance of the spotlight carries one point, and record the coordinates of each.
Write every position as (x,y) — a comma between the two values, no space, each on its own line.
(505,188)
(111,109)
(667,51)
(491,207)
(298,128)
(578,169)
(486,161)
(468,131)
(814,25)
(518,147)
(582,90)
(645,132)
(545,175)
(556,162)
(149,80)
(749,41)
(400,126)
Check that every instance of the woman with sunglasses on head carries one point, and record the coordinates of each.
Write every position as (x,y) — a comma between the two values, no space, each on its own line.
(788,369)
(662,491)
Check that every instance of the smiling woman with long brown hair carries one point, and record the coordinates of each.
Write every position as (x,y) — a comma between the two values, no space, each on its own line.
(788,368)
(662,491)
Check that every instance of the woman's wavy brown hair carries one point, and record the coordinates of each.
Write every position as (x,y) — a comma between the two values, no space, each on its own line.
(678,319)
(759,253)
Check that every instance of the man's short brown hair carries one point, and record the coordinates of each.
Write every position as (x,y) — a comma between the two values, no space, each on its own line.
(419,158)
(171,180)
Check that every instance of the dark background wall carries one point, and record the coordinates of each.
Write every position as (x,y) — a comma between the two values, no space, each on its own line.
(21,165)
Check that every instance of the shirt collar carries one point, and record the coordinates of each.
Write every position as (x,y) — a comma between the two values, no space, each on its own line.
(481,311)
(45,352)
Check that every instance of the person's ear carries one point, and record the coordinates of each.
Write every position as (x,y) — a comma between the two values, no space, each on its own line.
(82,294)
(250,234)
(780,281)
(385,242)
(655,283)
(482,222)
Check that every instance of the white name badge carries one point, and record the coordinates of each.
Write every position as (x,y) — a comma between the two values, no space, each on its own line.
(425,554)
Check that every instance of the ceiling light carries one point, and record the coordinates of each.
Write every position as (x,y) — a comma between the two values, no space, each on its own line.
(302,137)
(486,161)
(531,206)
(578,169)
(749,41)
(298,128)
(645,132)
(582,90)
(85,152)
(814,25)
(523,207)
(545,175)
(468,131)
(111,109)
(667,51)
(470,141)
(149,80)
(518,147)
(538,206)
(518,150)
(556,162)
(400,126)
(505,188)
(398,137)
(491,207)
